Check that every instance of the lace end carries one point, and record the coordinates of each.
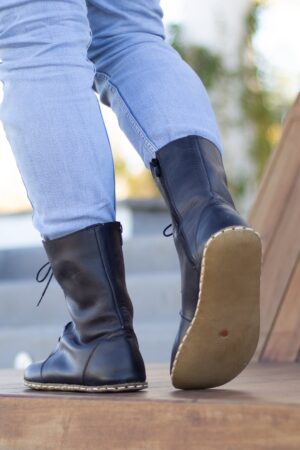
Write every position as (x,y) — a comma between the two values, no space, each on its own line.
(41,280)
(164,231)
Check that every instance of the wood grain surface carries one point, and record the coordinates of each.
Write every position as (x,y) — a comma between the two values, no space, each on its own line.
(258,410)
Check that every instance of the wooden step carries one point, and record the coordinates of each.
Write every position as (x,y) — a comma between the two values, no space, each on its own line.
(258,410)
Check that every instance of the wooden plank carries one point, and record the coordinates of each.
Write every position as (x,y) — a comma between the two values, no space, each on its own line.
(260,409)
(278,264)
(275,215)
(284,341)
(278,178)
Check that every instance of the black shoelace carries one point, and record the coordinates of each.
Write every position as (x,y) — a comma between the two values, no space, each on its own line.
(165,231)
(40,280)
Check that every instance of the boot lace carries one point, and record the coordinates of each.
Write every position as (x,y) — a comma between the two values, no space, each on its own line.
(40,280)
(165,231)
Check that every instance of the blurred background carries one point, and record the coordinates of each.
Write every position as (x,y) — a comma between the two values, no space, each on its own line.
(247,55)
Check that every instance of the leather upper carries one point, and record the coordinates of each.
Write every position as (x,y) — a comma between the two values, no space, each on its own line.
(99,345)
(89,267)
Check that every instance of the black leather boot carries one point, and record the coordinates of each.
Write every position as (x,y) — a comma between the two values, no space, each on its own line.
(220,258)
(98,350)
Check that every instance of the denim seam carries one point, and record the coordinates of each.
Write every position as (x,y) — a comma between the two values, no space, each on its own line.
(150,147)
(87,48)
(105,130)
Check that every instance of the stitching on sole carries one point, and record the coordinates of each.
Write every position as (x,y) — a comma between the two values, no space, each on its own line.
(213,236)
(81,388)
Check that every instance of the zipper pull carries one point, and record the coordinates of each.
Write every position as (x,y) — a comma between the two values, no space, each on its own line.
(155,167)
(121,231)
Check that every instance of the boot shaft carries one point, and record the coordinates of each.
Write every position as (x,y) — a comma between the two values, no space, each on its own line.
(189,171)
(88,265)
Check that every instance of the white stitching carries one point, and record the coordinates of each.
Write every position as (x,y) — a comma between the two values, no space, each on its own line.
(77,387)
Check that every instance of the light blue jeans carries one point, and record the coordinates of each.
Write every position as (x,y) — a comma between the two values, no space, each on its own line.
(54,55)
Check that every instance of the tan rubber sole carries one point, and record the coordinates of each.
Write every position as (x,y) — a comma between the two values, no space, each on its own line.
(224,332)
(126,387)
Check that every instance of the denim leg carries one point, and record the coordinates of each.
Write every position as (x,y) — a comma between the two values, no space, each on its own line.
(51,114)
(156,96)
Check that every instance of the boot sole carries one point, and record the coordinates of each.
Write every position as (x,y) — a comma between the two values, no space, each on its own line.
(224,332)
(125,387)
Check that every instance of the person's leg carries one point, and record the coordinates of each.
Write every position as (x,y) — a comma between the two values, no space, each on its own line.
(51,115)
(157,96)
(52,120)
(163,108)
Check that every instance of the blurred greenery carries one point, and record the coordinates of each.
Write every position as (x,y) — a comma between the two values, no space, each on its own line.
(138,184)
(208,65)
(262,107)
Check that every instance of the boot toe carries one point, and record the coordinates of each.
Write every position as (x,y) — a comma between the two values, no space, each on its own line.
(33,372)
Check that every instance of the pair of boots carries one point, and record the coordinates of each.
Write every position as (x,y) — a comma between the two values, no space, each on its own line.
(220,259)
